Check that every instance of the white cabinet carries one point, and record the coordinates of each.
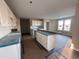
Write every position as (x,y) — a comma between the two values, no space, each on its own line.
(48,42)
(7,18)
(10,52)
(53,41)
(63,41)
(0,19)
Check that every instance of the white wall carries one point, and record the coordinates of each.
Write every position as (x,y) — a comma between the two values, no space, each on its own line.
(4,31)
(75,29)
(45,21)
(53,25)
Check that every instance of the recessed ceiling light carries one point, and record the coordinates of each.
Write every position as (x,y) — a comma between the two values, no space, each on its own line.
(30,2)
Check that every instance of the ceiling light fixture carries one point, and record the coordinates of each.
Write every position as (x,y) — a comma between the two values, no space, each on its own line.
(30,2)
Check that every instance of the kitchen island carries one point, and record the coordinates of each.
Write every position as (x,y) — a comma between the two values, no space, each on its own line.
(50,40)
(10,46)
(46,39)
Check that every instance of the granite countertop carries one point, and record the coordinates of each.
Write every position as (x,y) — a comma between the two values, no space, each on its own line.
(10,39)
(46,33)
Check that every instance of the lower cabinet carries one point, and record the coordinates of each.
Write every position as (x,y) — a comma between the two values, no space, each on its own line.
(48,42)
(53,41)
(10,52)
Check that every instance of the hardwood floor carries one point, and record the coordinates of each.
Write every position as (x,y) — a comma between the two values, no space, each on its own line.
(33,51)
(75,55)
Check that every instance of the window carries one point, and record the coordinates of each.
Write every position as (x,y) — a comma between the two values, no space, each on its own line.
(64,25)
(60,25)
(67,25)
(36,23)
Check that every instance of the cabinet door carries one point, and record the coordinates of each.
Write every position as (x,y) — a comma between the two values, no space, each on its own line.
(44,41)
(61,41)
(38,37)
(6,15)
(9,52)
(0,17)
(19,50)
(12,19)
(51,42)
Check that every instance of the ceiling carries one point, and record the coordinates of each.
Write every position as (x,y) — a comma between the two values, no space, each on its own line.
(47,9)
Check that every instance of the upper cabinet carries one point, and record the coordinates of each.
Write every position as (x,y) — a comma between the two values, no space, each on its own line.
(7,18)
(0,17)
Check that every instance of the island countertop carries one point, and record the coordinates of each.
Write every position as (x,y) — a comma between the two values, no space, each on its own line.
(10,39)
(46,33)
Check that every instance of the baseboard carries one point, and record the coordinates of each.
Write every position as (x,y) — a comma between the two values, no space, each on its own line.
(25,33)
(76,49)
(40,46)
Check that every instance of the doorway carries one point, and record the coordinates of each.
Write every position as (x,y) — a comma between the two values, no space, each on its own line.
(47,25)
(25,26)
